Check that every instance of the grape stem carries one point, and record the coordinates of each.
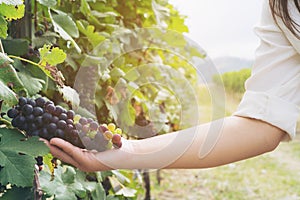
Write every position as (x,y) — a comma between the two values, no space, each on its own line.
(38,193)
(25,60)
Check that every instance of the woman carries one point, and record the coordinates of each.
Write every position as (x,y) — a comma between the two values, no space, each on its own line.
(266,115)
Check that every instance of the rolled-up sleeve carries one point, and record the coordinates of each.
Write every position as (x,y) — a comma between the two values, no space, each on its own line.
(273,90)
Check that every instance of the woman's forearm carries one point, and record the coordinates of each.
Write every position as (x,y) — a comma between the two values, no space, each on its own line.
(207,145)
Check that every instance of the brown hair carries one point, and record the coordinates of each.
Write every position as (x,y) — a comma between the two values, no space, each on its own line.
(280,8)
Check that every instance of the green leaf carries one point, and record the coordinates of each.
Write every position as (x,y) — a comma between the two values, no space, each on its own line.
(8,75)
(84,7)
(65,27)
(89,31)
(70,95)
(12,2)
(32,85)
(10,45)
(12,11)
(3,27)
(18,193)
(52,56)
(17,157)
(48,3)
(67,183)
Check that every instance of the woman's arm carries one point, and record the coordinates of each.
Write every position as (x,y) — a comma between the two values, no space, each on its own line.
(239,138)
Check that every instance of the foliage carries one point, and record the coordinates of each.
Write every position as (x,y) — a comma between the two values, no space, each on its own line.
(234,81)
(118,61)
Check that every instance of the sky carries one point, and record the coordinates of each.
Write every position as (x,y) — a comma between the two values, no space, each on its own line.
(222,27)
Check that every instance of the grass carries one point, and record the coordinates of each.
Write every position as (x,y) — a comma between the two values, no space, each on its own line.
(272,176)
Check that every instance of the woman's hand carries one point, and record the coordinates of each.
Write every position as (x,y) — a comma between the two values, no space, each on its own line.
(83,159)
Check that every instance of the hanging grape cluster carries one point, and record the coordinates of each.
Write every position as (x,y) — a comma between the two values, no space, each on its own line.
(45,119)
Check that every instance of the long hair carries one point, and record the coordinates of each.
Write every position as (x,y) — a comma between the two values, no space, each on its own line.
(280,8)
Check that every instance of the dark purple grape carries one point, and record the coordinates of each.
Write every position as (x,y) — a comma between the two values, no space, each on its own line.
(83,121)
(69,121)
(44,134)
(32,127)
(12,113)
(70,114)
(48,102)
(35,133)
(22,101)
(30,118)
(69,127)
(63,116)
(51,128)
(27,109)
(20,120)
(40,102)
(59,133)
(58,111)
(61,124)
(93,126)
(37,111)
(54,119)
(47,117)
(39,121)
(50,108)
(31,102)
(14,122)
(89,120)
(24,126)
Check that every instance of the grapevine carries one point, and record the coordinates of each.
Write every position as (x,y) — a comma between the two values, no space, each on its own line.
(38,117)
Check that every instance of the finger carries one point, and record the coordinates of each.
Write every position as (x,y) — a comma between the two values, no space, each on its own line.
(65,146)
(58,153)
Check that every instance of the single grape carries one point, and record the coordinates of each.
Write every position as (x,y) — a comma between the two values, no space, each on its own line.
(37,111)
(94,126)
(70,114)
(111,126)
(48,102)
(32,126)
(78,126)
(108,135)
(59,133)
(117,145)
(30,118)
(63,116)
(39,121)
(69,127)
(22,101)
(83,121)
(31,102)
(51,128)
(50,108)
(69,121)
(35,133)
(116,138)
(27,109)
(102,128)
(20,120)
(86,128)
(118,131)
(44,134)
(89,120)
(12,113)
(47,117)
(54,119)
(14,122)
(61,124)
(40,102)
(58,111)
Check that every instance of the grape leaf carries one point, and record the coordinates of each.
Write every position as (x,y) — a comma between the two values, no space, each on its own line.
(7,95)
(67,183)
(12,11)
(17,157)
(3,27)
(89,31)
(65,27)
(18,193)
(12,2)
(70,95)
(52,56)
(48,3)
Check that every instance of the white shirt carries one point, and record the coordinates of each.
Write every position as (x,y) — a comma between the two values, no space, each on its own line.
(273,90)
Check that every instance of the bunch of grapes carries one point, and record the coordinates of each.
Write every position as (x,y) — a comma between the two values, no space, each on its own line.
(44,119)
